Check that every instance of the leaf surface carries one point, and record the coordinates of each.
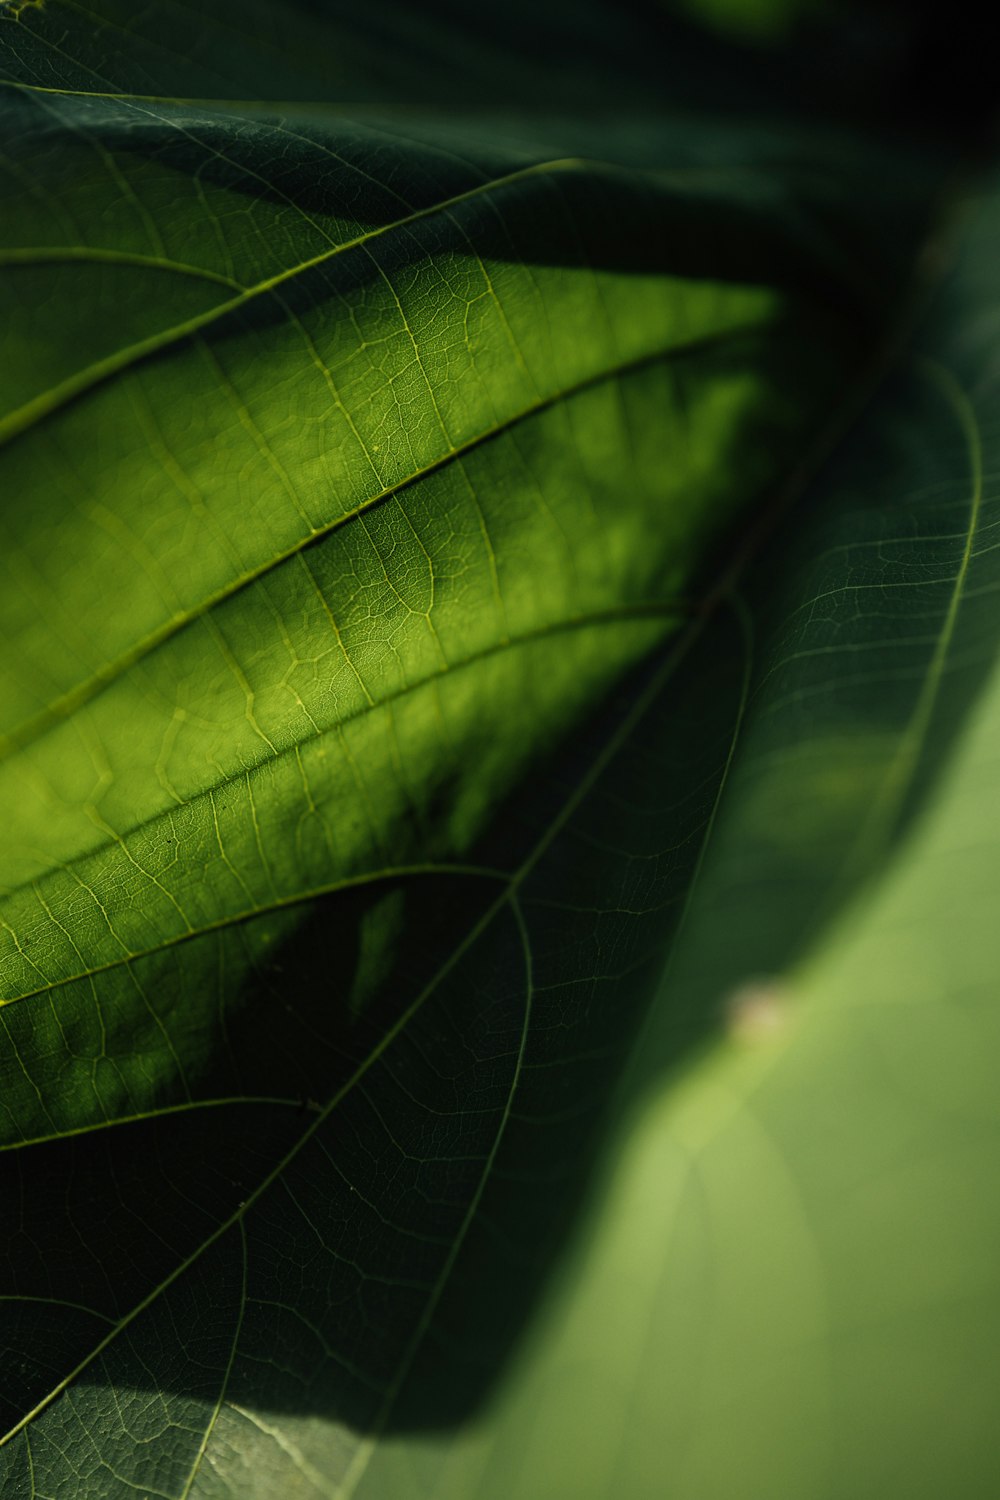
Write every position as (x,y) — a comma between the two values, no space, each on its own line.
(326,541)
(353,461)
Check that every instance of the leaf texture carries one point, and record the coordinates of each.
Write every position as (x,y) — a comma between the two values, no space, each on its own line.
(367,472)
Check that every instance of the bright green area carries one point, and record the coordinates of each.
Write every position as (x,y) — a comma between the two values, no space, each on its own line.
(329,532)
(364,474)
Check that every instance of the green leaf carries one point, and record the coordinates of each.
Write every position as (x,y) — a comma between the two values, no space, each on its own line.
(388,462)
(366,473)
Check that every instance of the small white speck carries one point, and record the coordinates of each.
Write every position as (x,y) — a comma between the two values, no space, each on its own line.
(757,1011)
